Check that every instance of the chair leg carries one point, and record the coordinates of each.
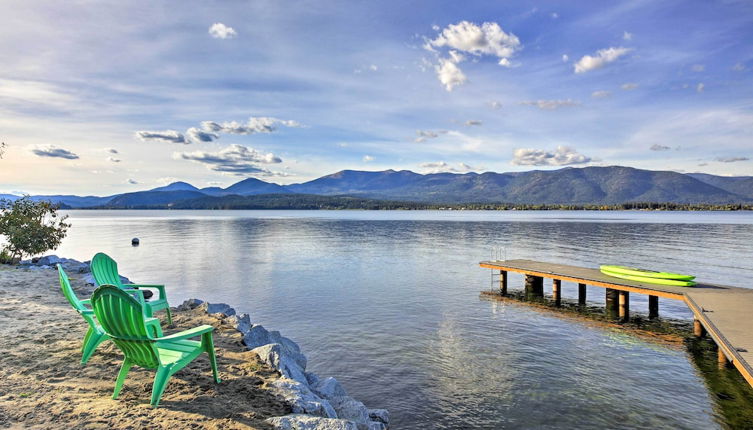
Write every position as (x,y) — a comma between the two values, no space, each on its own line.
(160,382)
(127,364)
(86,340)
(169,316)
(92,341)
(208,345)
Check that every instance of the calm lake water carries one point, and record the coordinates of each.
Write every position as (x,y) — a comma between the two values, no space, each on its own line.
(388,303)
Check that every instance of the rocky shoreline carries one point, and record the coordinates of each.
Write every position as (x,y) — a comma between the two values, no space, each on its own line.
(317,403)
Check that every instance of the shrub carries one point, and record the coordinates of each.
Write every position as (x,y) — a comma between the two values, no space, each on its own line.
(30,227)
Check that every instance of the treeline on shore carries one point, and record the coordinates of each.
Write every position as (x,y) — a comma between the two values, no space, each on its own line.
(318,202)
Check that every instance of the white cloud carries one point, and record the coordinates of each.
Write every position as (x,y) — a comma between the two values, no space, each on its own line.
(168,136)
(495,105)
(113,160)
(739,67)
(198,135)
(423,135)
(627,36)
(253,125)
(700,87)
(600,94)
(237,160)
(550,104)
(367,158)
(131,181)
(449,74)
(731,159)
(565,58)
(219,30)
(657,147)
(166,180)
(698,67)
(554,15)
(601,59)
(472,122)
(470,38)
(444,167)
(562,156)
(111,150)
(629,86)
(53,151)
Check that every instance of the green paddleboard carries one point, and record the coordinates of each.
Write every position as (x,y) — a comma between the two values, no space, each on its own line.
(647,280)
(634,271)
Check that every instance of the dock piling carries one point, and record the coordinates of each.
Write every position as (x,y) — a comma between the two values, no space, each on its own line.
(721,358)
(653,307)
(612,302)
(582,294)
(624,306)
(698,329)
(503,282)
(534,286)
(557,291)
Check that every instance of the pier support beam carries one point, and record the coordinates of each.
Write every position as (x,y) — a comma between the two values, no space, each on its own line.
(721,359)
(582,294)
(534,286)
(612,305)
(653,307)
(624,305)
(503,282)
(698,329)
(557,291)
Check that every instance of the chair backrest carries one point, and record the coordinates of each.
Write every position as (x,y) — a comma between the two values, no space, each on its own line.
(123,319)
(105,270)
(65,285)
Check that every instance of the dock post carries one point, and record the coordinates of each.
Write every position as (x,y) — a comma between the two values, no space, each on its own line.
(653,307)
(721,358)
(624,305)
(534,286)
(698,329)
(612,302)
(582,294)
(503,282)
(557,291)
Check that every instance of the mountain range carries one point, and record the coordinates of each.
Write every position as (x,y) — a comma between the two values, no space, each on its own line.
(573,186)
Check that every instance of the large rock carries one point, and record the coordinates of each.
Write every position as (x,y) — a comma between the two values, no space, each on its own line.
(256,336)
(380,415)
(241,322)
(351,409)
(218,308)
(275,355)
(329,388)
(49,260)
(190,304)
(307,422)
(301,399)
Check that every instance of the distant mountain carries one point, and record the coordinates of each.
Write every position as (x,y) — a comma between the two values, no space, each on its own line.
(569,186)
(151,198)
(741,185)
(176,186)
(254,186)
(11,197)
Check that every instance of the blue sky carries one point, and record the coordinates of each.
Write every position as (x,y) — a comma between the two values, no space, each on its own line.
(106,97)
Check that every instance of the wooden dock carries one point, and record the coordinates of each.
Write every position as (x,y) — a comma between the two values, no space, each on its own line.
(724,313)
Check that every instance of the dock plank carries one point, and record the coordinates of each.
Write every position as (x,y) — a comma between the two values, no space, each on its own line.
(725,312)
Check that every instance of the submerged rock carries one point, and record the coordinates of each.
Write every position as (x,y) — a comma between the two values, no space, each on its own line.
(308,422)
(380,415)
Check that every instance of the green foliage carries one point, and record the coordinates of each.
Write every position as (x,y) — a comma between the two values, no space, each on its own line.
(30,227)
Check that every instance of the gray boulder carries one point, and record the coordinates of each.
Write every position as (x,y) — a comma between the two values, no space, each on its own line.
(256,336)
(307,422)
(190,304)
(275,355)
(312,378)
(329,388)
(351,409)
(49,260)
(301,399)
(241,322)
(219,308)
(380,415)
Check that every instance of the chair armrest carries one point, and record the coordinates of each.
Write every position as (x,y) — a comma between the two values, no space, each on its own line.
(196,331)
(161,288)
(138,294)
(87,312)
(154,324)
(86,302)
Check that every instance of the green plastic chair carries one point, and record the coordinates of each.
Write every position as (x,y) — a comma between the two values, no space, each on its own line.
(105,271)
(95,335)
(124,319)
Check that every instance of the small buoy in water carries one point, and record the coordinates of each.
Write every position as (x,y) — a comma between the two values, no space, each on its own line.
(135,241)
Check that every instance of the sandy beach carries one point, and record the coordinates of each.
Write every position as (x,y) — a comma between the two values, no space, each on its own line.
(43,384)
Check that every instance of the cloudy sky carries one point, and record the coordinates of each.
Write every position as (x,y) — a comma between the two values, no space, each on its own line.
(106,97)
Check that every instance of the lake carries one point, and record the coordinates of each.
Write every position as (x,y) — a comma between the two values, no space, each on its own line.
(388,303)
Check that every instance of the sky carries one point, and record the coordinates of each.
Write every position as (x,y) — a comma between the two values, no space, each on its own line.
(110,96)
